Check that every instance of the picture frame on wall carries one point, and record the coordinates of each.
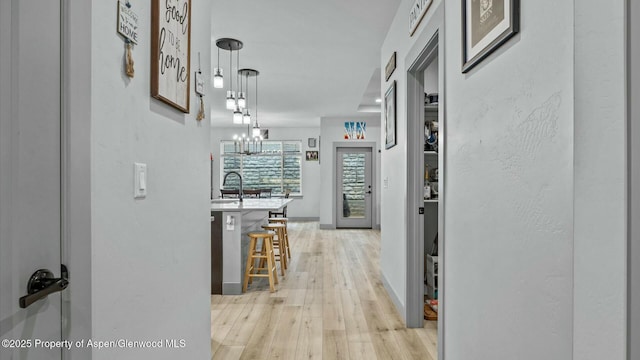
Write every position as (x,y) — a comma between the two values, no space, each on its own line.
(311,155)
(390,116)
(171,52)
(486,25)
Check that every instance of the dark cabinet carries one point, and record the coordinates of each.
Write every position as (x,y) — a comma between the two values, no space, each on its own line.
(216,252)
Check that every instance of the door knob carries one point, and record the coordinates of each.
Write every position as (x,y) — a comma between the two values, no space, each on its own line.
(42,284)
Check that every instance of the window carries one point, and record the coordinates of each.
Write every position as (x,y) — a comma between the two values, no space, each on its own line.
(278,167)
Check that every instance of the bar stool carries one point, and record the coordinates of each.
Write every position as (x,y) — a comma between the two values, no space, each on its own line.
(284,221)
(279,244)
(266,257)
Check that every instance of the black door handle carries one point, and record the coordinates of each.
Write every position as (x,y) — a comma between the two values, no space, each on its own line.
(368,192)
(42,284)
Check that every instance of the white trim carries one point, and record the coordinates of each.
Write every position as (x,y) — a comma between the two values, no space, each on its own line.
(633,173)
(393,295)
(77,255)
(430,40)
(304,218)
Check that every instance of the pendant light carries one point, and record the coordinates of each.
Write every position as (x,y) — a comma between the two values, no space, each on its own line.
(237,116)
(241,99)
(218,79)
(251,142)
(237,111)
(231,95)
(246,117)
(256,126)
(230,45)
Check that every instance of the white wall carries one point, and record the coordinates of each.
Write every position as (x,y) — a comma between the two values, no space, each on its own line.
(634,177)
(431,77)
(509,164)
(306,207)
(600,196)
(332,131)
(151,257)
(509,206)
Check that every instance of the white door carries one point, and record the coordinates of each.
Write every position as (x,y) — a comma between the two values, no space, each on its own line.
(354,188)
(30,191)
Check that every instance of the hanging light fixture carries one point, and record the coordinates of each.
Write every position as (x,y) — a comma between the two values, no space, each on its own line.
(249,144)
(237,116)
(256,126)
(246,117)
(218,79)
(241,99)
(231,95)
(230,45)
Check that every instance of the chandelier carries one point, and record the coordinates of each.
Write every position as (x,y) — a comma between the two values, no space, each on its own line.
(251,142)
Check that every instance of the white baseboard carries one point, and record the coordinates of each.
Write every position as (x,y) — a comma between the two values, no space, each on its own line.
(394,297)
(304,218)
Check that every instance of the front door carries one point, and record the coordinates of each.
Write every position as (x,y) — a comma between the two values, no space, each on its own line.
(354,188)
(30,200)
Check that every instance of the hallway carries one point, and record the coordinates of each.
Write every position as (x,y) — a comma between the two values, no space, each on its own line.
(330,305)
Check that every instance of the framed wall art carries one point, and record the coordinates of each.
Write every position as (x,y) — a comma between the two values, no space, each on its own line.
(486,25)
(171,52)
(312,156)
(355,130)
(390,117)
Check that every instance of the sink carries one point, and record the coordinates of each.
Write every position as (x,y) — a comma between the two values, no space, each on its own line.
(224,201)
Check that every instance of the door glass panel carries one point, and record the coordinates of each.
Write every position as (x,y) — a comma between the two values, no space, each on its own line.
(353,185)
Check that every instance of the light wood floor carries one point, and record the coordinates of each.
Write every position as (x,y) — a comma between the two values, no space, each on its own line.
(330,305)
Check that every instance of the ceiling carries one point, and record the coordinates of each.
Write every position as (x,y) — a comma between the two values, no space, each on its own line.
(316,58)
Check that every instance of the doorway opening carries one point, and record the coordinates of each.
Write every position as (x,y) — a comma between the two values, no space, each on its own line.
(354,187)
(425,189)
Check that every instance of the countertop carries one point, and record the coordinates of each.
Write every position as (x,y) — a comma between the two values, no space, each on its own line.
(249,204)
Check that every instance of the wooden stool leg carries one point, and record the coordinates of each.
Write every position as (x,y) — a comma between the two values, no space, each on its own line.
(263,251)
(273,262)
(282,249)
(250,265)
(270,271)
(286,240)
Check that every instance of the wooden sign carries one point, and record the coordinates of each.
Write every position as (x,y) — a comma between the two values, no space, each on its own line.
(171,52)
(127,22)
(417,12)
(391,66)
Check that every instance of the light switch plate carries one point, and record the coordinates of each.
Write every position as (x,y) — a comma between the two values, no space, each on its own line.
(386,182)
(140,181)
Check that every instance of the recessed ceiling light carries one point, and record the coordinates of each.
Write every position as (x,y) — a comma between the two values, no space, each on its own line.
(378,100)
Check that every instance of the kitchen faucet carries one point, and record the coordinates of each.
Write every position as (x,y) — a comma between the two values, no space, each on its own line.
(224,182)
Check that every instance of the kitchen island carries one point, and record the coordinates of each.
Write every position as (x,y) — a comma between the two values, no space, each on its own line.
(231,221)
